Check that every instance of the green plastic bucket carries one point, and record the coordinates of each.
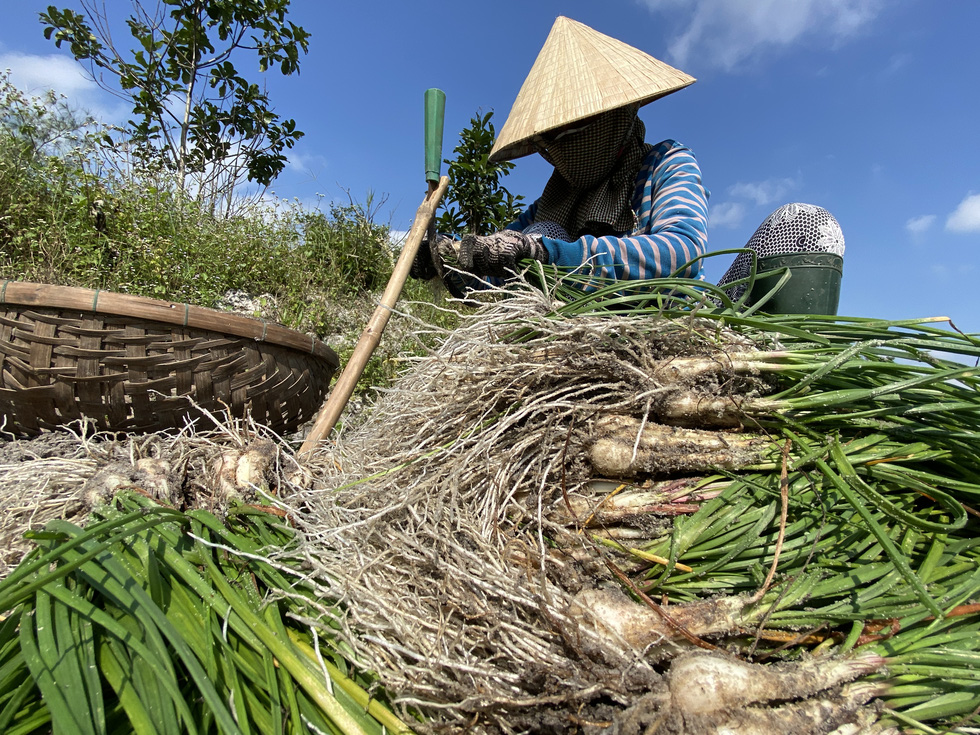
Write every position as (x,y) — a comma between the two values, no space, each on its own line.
(812,288)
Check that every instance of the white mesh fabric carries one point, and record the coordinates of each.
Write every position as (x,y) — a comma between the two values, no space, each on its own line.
(793,228)
(548,229)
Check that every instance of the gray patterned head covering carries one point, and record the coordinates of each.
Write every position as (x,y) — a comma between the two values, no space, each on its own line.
(793,228)
(591,190)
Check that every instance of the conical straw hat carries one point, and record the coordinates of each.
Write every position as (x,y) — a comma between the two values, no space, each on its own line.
(580,72)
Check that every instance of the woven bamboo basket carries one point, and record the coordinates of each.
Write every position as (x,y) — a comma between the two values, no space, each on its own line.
(133,364)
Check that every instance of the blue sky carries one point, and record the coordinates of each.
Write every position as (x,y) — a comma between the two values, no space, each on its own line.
(866,107)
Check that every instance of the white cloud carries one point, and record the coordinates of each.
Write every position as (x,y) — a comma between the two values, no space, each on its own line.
(897,63)
(944,270)
(966,217)
(397,238)
(308,164)
(726,33)
(32,73)
(919,225)
(35,74)
(764,193)
(726,214)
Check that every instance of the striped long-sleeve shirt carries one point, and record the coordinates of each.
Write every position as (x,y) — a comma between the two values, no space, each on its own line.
(671,206)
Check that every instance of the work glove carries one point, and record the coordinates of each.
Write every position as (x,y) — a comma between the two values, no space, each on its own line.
(432,257)
(498,254)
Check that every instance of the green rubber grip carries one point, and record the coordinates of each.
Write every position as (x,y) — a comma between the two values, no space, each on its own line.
(435,111)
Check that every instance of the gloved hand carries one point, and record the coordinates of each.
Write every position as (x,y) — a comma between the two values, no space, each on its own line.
(432,256)
(498,254)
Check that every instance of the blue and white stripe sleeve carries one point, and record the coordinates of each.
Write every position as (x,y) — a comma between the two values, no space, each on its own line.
(671,206)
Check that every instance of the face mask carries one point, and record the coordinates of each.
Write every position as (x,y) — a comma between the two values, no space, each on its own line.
(586,155)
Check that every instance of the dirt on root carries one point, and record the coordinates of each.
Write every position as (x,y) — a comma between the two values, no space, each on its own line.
(442,524)
(63,475)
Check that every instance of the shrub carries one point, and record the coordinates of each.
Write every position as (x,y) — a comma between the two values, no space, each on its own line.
(77,210)
(476,201)
(349,247)
(47,185)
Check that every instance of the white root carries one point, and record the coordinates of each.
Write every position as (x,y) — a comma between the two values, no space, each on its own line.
(673,370)
(706,683)
(818,716)
(712,694)
(621,533)
(692,409)
(717,693)
(628,624)
(621,508)
(255,463)
(238,473)
(154,475)
(625,447)
(691,370)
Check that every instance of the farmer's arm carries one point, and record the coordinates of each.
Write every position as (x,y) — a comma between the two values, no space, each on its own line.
(672,212)
(525,220)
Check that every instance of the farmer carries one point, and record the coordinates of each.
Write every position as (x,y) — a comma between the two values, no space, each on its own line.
(615,206)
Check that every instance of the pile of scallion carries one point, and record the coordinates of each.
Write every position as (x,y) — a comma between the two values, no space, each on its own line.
(867,510)
(855,530)
(151,620)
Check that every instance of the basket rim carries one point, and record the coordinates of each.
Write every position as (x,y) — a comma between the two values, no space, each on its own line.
(98,301)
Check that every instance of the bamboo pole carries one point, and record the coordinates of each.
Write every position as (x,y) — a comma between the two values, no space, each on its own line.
(368,341)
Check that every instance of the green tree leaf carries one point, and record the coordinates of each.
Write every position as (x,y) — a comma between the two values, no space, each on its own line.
(223,130)
(484,205)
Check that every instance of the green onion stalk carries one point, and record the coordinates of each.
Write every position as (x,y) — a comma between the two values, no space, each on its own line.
(151,620)
(864,504)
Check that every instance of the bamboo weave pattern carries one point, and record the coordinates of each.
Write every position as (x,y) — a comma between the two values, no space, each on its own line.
(132,374)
